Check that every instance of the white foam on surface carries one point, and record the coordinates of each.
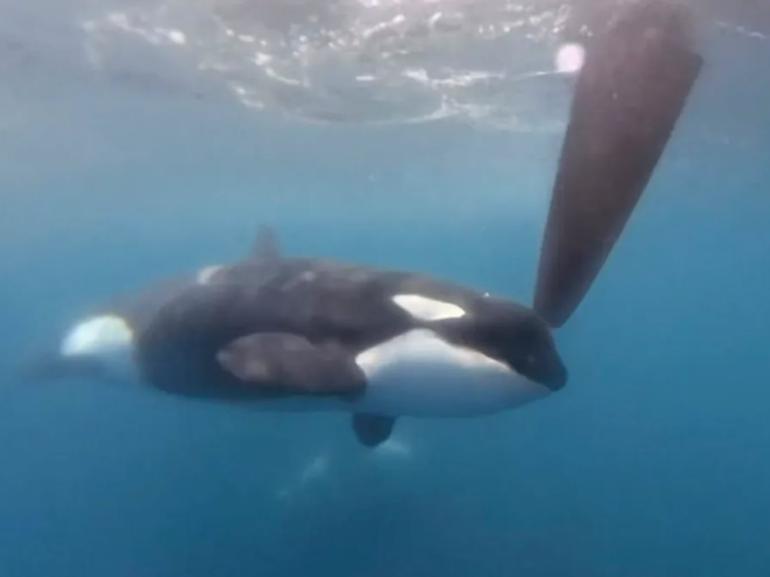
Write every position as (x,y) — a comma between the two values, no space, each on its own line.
(378,61)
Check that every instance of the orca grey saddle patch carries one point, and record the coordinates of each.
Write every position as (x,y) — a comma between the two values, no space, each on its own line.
(290,364)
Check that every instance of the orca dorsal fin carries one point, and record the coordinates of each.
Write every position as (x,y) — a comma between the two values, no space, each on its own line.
(266,246)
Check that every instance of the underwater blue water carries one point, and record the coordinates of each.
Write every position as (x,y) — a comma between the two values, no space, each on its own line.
(654,461)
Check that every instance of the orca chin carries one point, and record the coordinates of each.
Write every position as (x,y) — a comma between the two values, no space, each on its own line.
(552,373)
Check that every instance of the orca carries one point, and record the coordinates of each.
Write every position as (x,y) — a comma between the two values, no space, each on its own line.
(291,333)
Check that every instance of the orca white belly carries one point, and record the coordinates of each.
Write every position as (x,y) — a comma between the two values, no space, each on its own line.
(431,391)
(418,374)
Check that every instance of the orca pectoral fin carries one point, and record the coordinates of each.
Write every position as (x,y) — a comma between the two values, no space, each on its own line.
(372,430)
(285,363)
(628,97)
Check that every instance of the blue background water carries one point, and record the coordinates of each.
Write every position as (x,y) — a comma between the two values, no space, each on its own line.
(655,459)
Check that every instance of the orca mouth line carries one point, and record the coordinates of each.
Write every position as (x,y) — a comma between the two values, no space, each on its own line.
(556,379)
(550,373)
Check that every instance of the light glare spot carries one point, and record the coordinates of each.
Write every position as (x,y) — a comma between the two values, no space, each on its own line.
(177,37)
(570,58)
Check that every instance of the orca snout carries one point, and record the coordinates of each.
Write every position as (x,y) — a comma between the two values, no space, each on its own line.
(546,367)
(531,350)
